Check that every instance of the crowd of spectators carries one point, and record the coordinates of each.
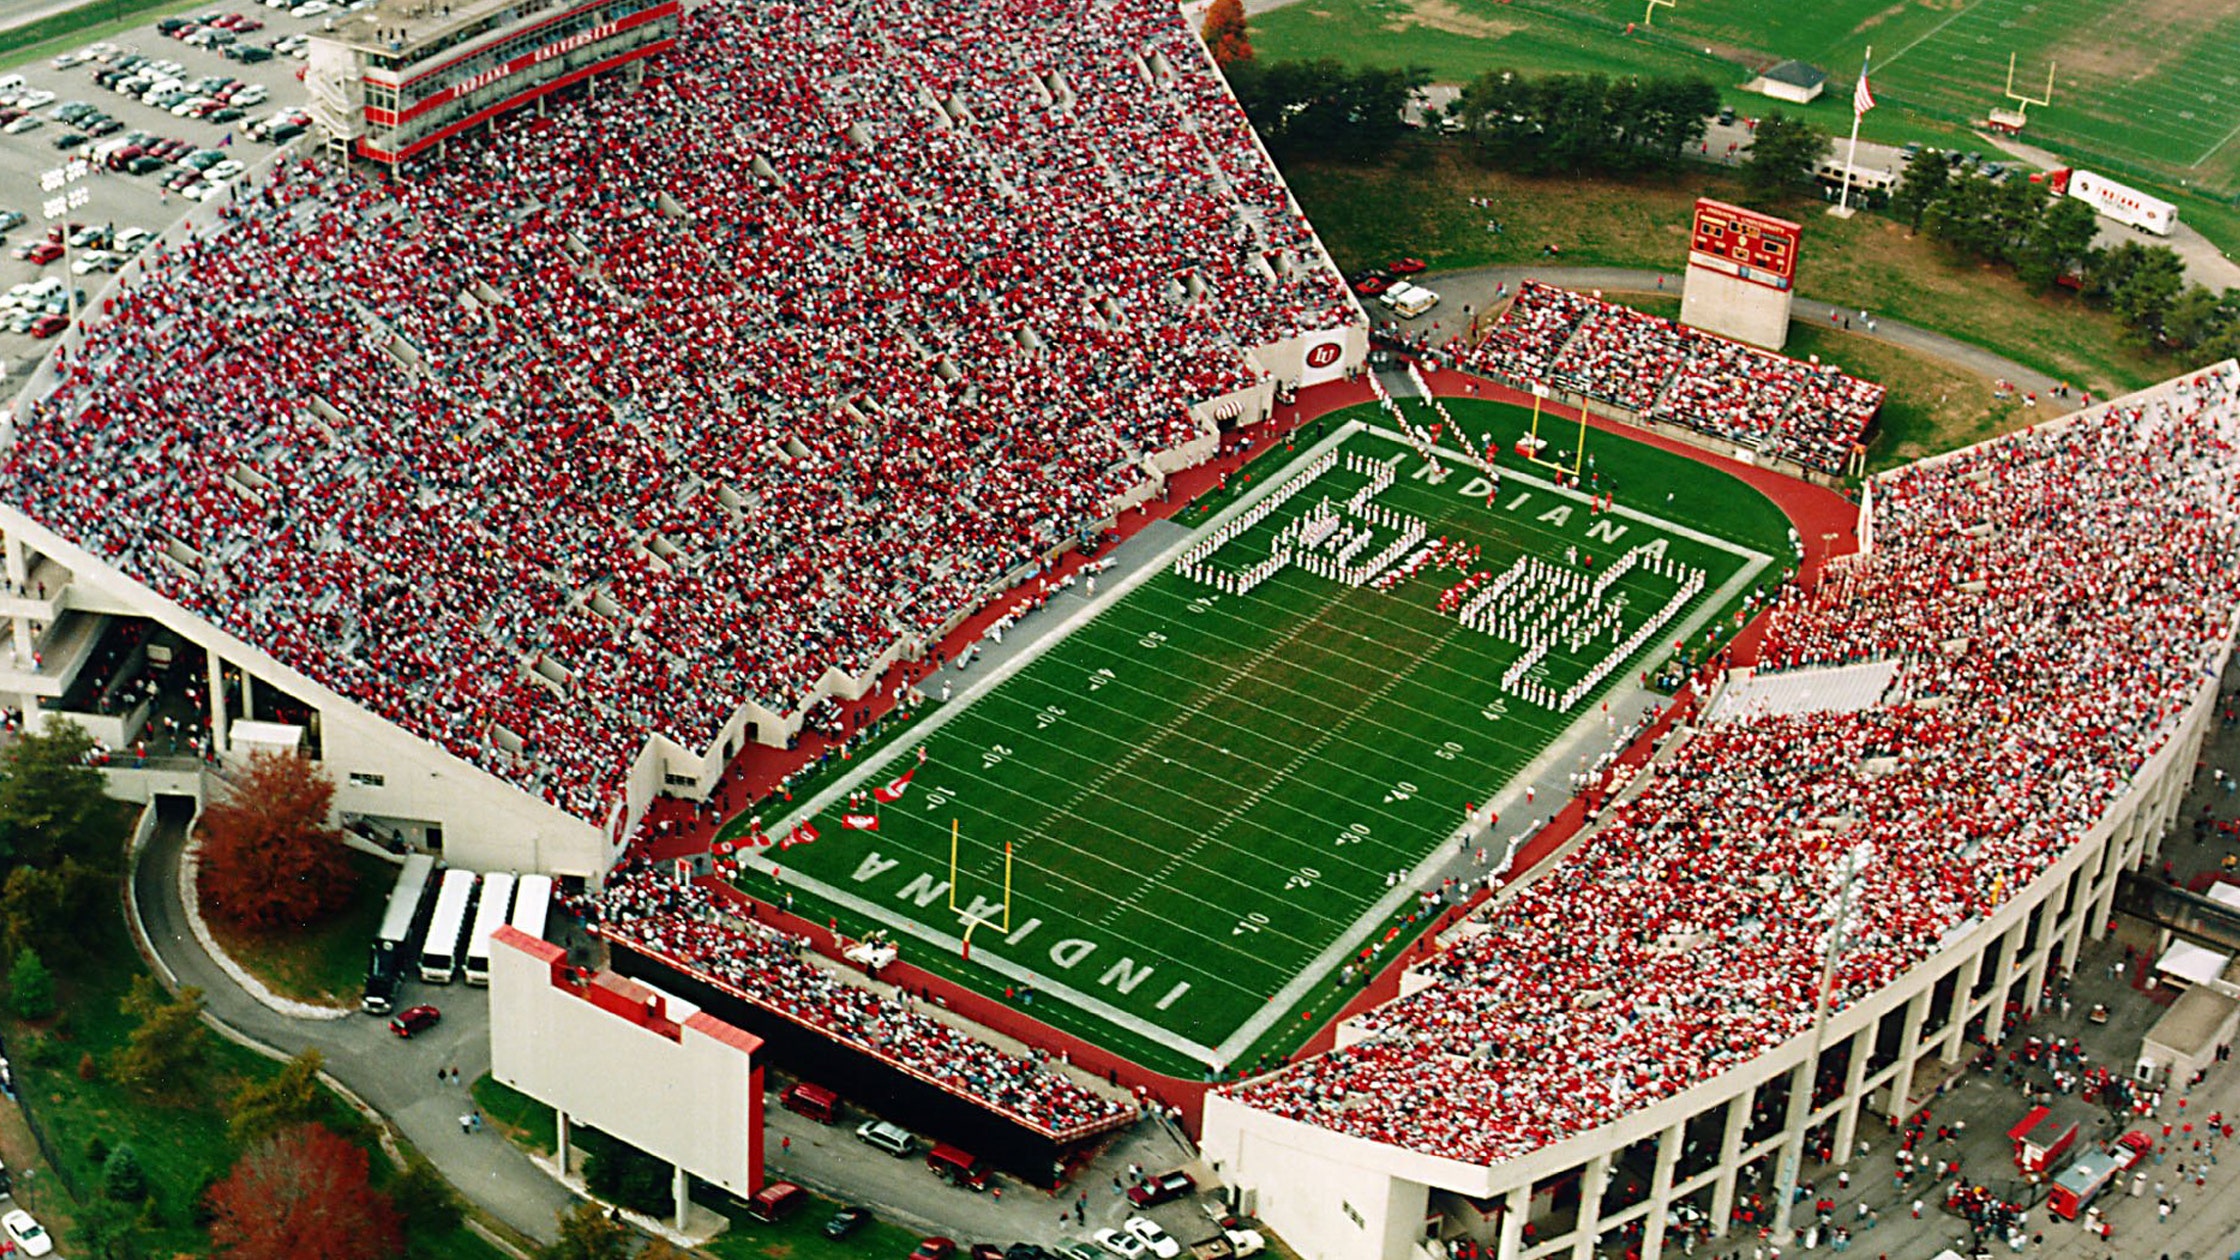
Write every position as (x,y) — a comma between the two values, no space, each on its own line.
(684,925)
(609,422)
(1664,370)
(2056,598)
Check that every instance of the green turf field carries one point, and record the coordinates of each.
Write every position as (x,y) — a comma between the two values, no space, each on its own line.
(2143,88)
(1206,792)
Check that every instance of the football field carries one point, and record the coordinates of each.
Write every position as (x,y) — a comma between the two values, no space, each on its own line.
(2144,88)
(1222,777)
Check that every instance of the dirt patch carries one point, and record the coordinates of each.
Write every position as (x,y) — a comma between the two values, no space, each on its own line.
(1447,16)
(2165,32)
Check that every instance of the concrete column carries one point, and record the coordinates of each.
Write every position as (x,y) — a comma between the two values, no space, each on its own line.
(248,697)
(26,646)
(681,1186)
(217,702)
(1730,1163)
(1854,1081)
(560,1129)
(1971,971)
(19,568)
(1660,1187)
(1591,1185)
(1516,1208)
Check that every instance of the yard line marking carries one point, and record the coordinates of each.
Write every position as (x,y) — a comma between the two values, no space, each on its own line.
(2215,147)
(1931,33)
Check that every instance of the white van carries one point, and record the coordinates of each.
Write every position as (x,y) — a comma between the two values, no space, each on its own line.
(891,1138)
(1408,300)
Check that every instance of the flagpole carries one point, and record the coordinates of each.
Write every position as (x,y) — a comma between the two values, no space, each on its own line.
(1851,159)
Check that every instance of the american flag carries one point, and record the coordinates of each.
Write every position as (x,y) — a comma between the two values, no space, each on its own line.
(1862,98)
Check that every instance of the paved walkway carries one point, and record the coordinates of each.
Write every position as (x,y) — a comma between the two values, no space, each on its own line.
(1473,290)
(393,1076)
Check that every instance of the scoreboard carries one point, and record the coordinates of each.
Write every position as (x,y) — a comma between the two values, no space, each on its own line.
(1752,247)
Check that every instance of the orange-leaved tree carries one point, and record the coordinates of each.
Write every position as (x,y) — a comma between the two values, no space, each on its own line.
(269,859)
(1225,33)
(302,1192)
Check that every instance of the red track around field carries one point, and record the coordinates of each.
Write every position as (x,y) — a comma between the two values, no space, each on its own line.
(1824,519)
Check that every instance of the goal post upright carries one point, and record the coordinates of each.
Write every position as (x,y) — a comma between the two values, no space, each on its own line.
(971,920)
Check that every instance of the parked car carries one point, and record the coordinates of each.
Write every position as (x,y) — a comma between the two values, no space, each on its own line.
(934,1249)
(40,252)
(847,1221)
(891,1138)
(43,327)
(1120,1243)
(26,1233)
(417,1020)
(1405,266)
(1154,1239)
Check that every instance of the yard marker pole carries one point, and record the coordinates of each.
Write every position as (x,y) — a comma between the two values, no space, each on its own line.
(1007,886)
(1861,102)
(953,865)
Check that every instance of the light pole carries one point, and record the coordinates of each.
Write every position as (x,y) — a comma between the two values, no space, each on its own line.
(1849,872)
(65,192)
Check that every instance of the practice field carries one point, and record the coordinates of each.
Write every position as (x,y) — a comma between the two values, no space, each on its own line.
(1214,797)
(2147,87)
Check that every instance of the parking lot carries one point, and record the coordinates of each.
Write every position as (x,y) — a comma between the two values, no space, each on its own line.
(211,118)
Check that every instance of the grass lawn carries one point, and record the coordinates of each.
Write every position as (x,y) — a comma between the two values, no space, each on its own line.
(2152,108)
(1206,792)
(324,965)
(1419,203)
(75,28)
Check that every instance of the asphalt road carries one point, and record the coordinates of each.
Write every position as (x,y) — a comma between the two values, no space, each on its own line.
(398,1078)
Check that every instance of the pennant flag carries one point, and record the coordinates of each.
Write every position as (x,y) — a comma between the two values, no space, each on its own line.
(860,822)
(893,791)
(1862,97)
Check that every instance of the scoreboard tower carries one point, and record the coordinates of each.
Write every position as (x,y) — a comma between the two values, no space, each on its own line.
(1742,270)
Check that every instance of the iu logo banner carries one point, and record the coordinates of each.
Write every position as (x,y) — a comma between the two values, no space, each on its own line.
(860,822)
(1324,361)
(893,791)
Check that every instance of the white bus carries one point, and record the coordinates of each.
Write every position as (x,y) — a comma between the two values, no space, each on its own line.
(439,958)
(532,899)
(490,914)
(407,916)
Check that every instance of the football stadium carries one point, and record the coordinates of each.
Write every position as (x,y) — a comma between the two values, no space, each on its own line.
(894,507)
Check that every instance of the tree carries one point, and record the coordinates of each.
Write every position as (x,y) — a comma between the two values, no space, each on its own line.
(269,859)
(587,1234)
(1225,33)
(48,908)
(50,799)
(1783,152)
(1927,179)
(169,1043)
(621,1173)
(123,1180)
(302,1192)
(2059,243)
(290,1097)
(425,1203)
(31,986)
(2194,317)
(2142,298)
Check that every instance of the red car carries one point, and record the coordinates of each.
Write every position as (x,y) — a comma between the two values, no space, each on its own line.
(48,325)
(43,253)
(417,1020)
(934,1249)
(1406,267)
(1371,283)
